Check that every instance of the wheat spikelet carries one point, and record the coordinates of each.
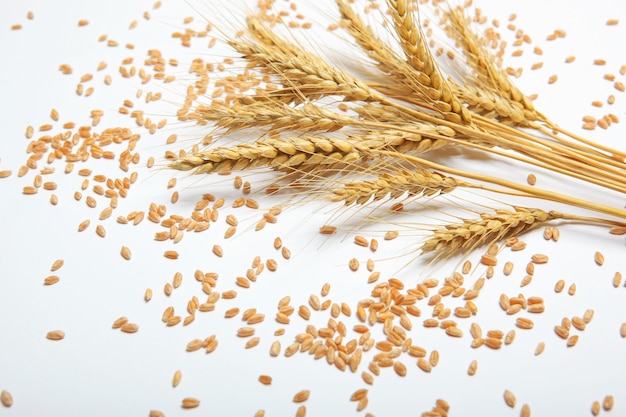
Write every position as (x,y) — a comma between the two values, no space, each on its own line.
(419,57)
(420,181)
(489,228)
(488,76)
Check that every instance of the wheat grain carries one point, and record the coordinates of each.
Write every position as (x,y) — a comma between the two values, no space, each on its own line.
(6,398)
(190,403)
(55,335)
(129,328)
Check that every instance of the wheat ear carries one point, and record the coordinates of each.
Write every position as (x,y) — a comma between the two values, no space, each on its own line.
(489,228)
(419,57)
(303,74)
(418,182)
(276,115)
(482,63)
(290,152)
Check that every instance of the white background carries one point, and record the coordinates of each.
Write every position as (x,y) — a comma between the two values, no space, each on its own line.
(98,371)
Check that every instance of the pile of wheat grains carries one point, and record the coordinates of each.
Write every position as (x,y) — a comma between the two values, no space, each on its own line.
(147,290)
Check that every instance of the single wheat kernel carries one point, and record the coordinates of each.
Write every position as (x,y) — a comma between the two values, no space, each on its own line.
(547,233)
(6,398)
(539,258)
(508,268)
(301,396)
(275,348)
(328,230)
(190,403)
(119,322)
(361,241)
(170,254)
(252,342)
(578,323)
(588,316)
(488,260)
(566,323)
(424,365)
(28,190)
(526,280)
(599,258)
(510,336)
(373,245)
(56,265)
(55,335)
(129,328)
(147,296)
(572,289)
(572,340)
(265,379)
(524,323)
(558,287)
(218,251)
(51,280)
(561,331)
(467,267)
(540,348)
(509,398)
(176,379)
(230,232)
(552,79)
(595,408)
(454,331)
(353,264)
(125,252)
(392,234)
(271,264)
(531,179)
(101,231)
(473,367)
(622,330)
(245,331)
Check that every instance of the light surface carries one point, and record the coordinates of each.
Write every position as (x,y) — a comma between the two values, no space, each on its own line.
(98,371)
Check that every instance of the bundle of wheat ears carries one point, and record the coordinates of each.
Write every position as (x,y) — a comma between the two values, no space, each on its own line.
(402,110)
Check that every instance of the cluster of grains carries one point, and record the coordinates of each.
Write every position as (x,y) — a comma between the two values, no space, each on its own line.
(363,338)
